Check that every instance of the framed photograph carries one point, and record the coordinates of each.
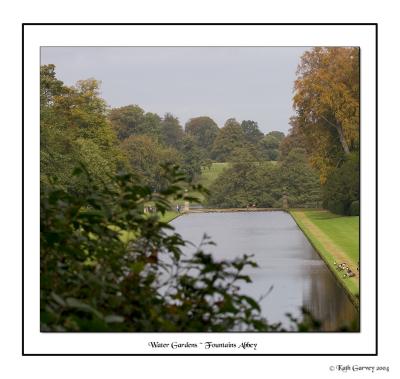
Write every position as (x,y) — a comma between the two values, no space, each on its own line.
(205,189)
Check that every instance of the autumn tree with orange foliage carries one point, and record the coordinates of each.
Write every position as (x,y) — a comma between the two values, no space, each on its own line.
(327,104)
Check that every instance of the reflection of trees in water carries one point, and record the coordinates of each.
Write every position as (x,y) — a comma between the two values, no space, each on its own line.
(327,301)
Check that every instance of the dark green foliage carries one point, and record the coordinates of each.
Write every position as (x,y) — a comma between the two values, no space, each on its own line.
(192,157)
(294,139)
(299,180)
(74,128)
(270,145)
(355,208)
(251,131)
(277,134)
(132,120)
(341,192)
(263,184)
(93,281)
(230,137)
(235,187)
(171,131)
(270,142)
(204,131)
(145,156)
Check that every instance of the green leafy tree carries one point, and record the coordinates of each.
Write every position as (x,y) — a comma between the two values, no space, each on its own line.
(204,131)
(294,139)
(230,137)
(171,131)
(127,120)
(277,134)
(132,120)
(192,157)
(244,184)
(263,184)
(74,128)
(152,125)
(146,157)
(240,190)
(299,180)
(50,86)
(270,145)
(341,192)
(251,131)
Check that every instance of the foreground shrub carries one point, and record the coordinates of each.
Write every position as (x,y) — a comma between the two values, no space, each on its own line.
(93,281)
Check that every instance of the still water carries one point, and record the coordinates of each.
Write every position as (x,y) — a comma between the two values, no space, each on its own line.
(286,260)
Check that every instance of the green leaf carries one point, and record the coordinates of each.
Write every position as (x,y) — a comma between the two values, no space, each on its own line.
(113,319)
(77,304)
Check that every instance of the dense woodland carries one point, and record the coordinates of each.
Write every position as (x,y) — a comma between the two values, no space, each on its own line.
(77,126)
(100,166)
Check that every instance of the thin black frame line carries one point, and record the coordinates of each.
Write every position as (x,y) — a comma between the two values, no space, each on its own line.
(198,355)
(194,46)
(222,24)
(359,192)
(23,186)
(199,24)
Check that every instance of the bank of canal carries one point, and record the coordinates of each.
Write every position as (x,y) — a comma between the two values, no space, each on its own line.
(336,239)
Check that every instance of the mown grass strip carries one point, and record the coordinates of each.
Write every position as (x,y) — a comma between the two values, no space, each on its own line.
(335,238)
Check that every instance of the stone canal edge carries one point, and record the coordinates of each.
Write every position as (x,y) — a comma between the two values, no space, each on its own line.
(339,255)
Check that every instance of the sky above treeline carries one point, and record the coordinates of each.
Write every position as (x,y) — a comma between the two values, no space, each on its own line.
(246,83)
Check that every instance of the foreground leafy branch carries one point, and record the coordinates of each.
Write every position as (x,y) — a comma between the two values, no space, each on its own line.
(92,280)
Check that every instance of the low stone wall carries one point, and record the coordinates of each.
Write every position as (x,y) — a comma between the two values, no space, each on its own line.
(221,210)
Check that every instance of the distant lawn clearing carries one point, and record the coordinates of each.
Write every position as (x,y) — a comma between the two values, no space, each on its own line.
(209,175)
(336,238)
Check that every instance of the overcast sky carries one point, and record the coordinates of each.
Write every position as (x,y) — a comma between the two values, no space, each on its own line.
(247,83)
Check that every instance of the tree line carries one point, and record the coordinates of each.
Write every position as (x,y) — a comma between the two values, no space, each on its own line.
(78,126)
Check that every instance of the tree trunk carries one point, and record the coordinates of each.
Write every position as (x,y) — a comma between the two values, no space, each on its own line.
(342,139)
(339,129)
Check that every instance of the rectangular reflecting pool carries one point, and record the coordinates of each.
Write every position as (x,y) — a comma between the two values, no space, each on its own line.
(287,263)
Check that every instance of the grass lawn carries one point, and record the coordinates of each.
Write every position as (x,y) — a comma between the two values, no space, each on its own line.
(343,230)
(336,238)
(209,175)
(169,216)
